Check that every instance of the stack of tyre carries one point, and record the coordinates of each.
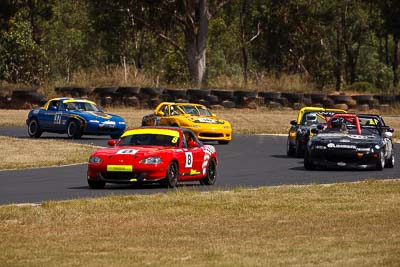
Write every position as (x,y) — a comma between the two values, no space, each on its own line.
(174,95)
(5,99)
(340,101)
(382,102)
(202,96)
(22,98)
(280,100)
(150,97)
(223,99)
(292,100)
(246,99)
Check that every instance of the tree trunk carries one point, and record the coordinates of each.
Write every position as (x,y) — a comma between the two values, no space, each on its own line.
(338,65)
(387,60)
(243,40)
(343,16)
(196,45)
(395,60)
(351,62)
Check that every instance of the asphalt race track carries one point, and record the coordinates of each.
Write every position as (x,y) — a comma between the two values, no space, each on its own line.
(248,161)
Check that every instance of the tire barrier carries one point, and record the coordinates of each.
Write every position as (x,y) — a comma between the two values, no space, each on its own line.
(23,99)
(150,97)
(316,98)
(245,99)
(127,91)
(104,91)
(294,100)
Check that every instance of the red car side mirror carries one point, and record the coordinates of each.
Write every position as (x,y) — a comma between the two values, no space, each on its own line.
(112,142)
(192,144)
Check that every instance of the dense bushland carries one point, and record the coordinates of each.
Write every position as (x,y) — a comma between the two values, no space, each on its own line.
(319,44)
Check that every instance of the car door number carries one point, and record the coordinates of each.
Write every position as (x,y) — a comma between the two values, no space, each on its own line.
(57,118)
(189,159)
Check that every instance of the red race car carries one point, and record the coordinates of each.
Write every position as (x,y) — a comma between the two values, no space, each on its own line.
(153,154)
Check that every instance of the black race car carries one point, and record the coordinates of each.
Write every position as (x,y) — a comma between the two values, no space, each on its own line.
(349,142)
(374,121)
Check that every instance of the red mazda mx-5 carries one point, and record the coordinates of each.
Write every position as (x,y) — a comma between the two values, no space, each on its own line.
(153,154)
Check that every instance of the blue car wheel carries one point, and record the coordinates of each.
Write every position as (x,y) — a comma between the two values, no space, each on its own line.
(74,130)
(34,129)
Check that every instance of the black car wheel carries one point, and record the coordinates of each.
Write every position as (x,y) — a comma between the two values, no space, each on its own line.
(290,151)
(308,165)
(73,130)
(299,151)
(390,161)
(34,129)
(211,174)
(171,179)
(381,162)
(96,184)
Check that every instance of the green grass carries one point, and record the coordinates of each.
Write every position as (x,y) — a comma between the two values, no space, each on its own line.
(353,224)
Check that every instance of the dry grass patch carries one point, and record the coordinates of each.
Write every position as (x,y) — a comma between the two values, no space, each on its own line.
(13,117)
(19,153)
(344,224)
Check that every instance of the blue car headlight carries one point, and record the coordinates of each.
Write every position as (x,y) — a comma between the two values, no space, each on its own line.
(95,159)
(151,160)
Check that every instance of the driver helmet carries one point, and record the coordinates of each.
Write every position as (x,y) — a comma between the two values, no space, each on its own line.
(173,111)
(336,123)
(311,118)
(372,122)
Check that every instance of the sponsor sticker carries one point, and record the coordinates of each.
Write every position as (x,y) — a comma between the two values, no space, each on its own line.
(119,168)
(108,124)
(194,172)
(208,151)
(127,151)
(332,145)
(205,120)
(189,160)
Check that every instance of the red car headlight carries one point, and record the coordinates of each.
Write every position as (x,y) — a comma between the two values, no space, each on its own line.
(95,159)
(151,160)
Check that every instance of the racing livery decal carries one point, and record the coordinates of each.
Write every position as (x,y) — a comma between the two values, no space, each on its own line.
(208,151)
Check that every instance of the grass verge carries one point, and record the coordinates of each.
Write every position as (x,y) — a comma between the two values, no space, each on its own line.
(41,153)
(343,224)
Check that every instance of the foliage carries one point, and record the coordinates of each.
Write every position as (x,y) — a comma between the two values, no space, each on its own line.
(22,60)
(328,43)
(364,87)
(68,39)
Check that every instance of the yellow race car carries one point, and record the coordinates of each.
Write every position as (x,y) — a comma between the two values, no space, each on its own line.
(300,130)
(195,117)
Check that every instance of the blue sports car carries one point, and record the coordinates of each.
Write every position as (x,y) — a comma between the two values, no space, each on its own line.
(75,117)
